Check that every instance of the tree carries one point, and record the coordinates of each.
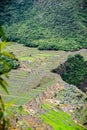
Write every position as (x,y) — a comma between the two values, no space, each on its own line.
(74,71)
(5,67)
(7,62)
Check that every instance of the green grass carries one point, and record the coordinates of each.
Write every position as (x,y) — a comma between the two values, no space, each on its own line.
(29,128)
(27,58)
(45,54)
(59,120)
(22,83)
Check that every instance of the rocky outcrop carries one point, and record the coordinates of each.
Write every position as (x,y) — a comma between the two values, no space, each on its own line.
(37,123)
(34,105)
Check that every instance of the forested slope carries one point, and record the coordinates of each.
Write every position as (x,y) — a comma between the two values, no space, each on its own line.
(48,24)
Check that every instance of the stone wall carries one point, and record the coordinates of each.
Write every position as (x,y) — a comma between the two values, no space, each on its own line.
(34,105)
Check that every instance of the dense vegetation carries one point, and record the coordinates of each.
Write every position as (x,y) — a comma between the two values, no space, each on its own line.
(74,71)
(7,59)
(46,24)
(7,63)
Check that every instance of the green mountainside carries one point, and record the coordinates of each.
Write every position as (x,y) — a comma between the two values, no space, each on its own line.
(74,71)
(46,24)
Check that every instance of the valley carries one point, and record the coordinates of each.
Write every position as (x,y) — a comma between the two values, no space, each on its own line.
(34,74)
(43,65)
(33,83)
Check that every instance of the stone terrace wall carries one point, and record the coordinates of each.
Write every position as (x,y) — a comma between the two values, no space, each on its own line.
(34,105)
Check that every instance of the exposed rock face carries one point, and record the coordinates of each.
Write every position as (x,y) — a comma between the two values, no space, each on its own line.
(37,124)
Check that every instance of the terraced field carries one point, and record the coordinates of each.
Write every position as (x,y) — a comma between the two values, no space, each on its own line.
(33,77)
(34,74)
(59,120)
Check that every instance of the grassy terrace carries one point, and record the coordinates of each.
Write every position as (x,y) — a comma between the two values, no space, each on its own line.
(59,120)
(35,75)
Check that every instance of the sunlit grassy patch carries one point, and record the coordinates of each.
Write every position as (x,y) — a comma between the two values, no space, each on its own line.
(59,120)
(45,54)
(27,58)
